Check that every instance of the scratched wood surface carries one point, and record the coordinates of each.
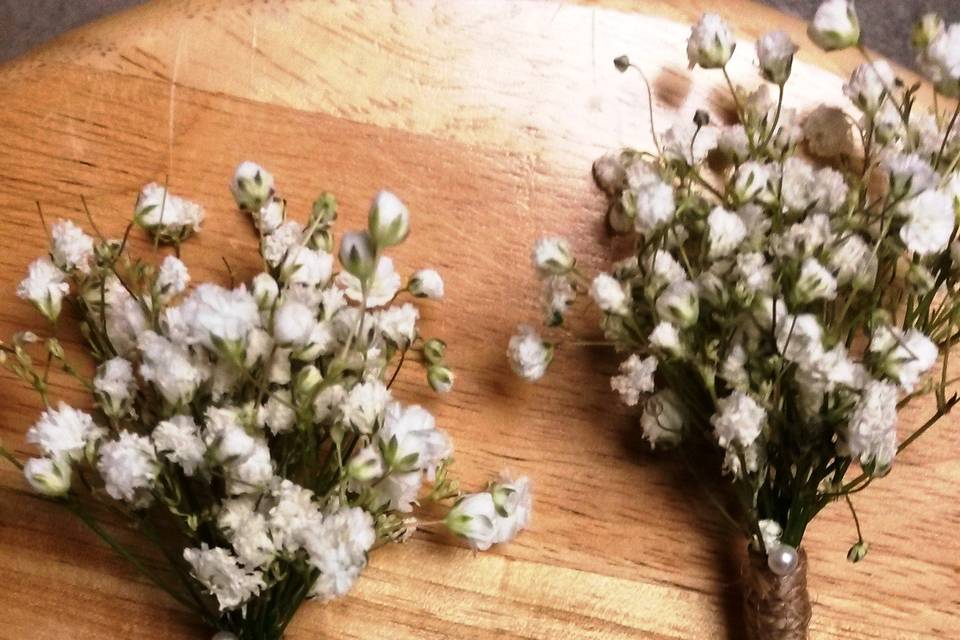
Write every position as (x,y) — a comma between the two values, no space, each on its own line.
(485,117)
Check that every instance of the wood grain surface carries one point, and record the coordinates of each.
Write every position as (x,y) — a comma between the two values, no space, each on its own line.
(484,117)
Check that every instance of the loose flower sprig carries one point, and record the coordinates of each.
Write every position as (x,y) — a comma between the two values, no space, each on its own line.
(784,301)
(250,432)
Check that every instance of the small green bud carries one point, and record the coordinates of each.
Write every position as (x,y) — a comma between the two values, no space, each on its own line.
(925,30)
(358,255)
(55,348)
(858,551)
(324,209)
(252,186)
(434,349)
(389,221)
(622,63)
(440,378)
(308,381)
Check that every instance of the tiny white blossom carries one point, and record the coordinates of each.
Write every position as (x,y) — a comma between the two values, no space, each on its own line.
(399,324)
(942,60)
(528,354)
(854,262)
(726,232)
(293,323)
(44,287)
(514,502)
(426,283)
(676,142)
(222,575)
(775,52)
(930,220)
(169,367)
(114,385)
(383,287)
(909,175)
(178,440)
(871,435)
(869,84)
(364,404)
(247,531)
(129,468)
(739,420)
(274,246)
(166,216)
(278,412)
(609,294)
(306,267)
(473,518)
(711,42)
(636,378)
(558,295)
(70,247)
(905,356)
(734,143)
(751,181)
(770,531)
(552,256)
(217,317)
(172,278)
(679,304)
(666,338)
(64,432)
(815,282)
(338,549)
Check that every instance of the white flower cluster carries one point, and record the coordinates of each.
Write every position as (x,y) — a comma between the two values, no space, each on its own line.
(259,416)
(776,304)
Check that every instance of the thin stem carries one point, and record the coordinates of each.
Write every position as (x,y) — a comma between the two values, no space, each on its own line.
(653,130)
(946,135)
(856,520)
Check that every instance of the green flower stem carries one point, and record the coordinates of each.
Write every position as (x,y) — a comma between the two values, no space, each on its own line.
(92,524)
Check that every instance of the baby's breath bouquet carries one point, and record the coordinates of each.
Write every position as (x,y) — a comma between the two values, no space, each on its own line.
(792,283)
(250,433)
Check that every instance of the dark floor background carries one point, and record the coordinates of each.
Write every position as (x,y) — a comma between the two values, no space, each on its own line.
(26,23)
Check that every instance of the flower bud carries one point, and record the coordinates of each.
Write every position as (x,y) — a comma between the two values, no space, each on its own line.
(858,551)
(324,210)
(426,283)
(609,295)
(252,186)
(47,476)
(920,279)
(711,43)
(308,380)
(357,254)
(925,30)
(366,465)
(622,63)
(609,173)
(473,518)
(440,378)
(679,304)
(389,222)
(434,349)
(835,25)
(552,256)
(271,215)
(701,118)
(775,51)
(265,290)
(293,323)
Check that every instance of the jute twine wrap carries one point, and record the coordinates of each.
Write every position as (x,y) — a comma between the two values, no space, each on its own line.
(776,607)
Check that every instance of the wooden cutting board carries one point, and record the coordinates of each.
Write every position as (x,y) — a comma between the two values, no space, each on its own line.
(484,117)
